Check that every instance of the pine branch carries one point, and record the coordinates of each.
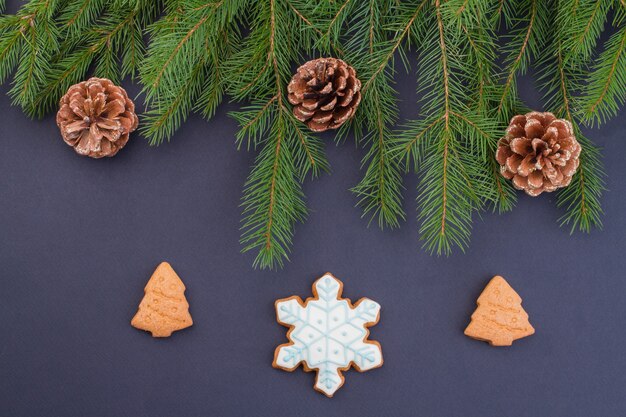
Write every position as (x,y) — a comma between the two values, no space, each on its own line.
(213,88)
(406,27)
(449,146)
(117,32)
(273,200)
(603,94)
(28,42)
(380,190)
(332,20)
(197,55)
(620,14)
(10,44)
(441,239)
(478,48)
(496,190)
(78,15)
(581,24)
(581,199)
(528,35)
(200,33)
(169,110)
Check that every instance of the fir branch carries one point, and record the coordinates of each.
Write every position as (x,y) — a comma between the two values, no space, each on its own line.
(100,43)
(254,121)
(78,15)
(516,63)
(312,10)
(496,190)
(380,190)
(51,45)
(480,50)
(203,34)
(603,93)
(31,39)
(394,45)
(176,50)
(339,17)
(213,88)
(580,25)
(273,200)
(413,148)
(197,55)
(169,111)
(528,35)
(440,240)
(581,199)
(11,40)
(450,146)
(620,14)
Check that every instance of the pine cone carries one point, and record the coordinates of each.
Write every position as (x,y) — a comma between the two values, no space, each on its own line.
(96,117)
(325,93)
(538,152)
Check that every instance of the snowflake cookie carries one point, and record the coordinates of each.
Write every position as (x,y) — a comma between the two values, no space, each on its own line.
(327,334)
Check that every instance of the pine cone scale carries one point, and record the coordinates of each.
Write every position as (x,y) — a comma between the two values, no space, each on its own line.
(310,104)
(329,105)
(535,179)
(108,124)
(346,98)
(86,143)
(325,93)
(322,118)
(341,83)
(539,153)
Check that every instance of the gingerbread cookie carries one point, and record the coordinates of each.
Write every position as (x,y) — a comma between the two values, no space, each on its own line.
(499,318)
(327,334)
(164,308)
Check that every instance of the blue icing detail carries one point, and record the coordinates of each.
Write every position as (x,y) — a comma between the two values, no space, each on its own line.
(293,354)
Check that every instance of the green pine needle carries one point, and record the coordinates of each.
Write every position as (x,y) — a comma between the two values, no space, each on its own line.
(470,55)
(603,94)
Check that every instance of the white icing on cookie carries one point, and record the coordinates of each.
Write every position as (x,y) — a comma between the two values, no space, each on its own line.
(328,334)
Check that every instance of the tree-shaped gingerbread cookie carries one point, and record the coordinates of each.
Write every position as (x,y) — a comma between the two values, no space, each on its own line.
(499,318)
(164,308)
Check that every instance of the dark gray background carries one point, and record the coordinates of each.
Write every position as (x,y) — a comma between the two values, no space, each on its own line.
(80,238)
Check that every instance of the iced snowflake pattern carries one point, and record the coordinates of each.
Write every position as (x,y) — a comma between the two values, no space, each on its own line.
(327,334)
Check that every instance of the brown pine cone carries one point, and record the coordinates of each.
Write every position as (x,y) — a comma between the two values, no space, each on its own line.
(538,152)
(325,93)
(96,117)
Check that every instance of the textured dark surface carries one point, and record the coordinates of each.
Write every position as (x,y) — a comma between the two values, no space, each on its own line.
(80,238)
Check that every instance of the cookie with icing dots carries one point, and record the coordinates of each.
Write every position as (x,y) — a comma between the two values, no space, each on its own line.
(499,318)
(327,334)
(164,307)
